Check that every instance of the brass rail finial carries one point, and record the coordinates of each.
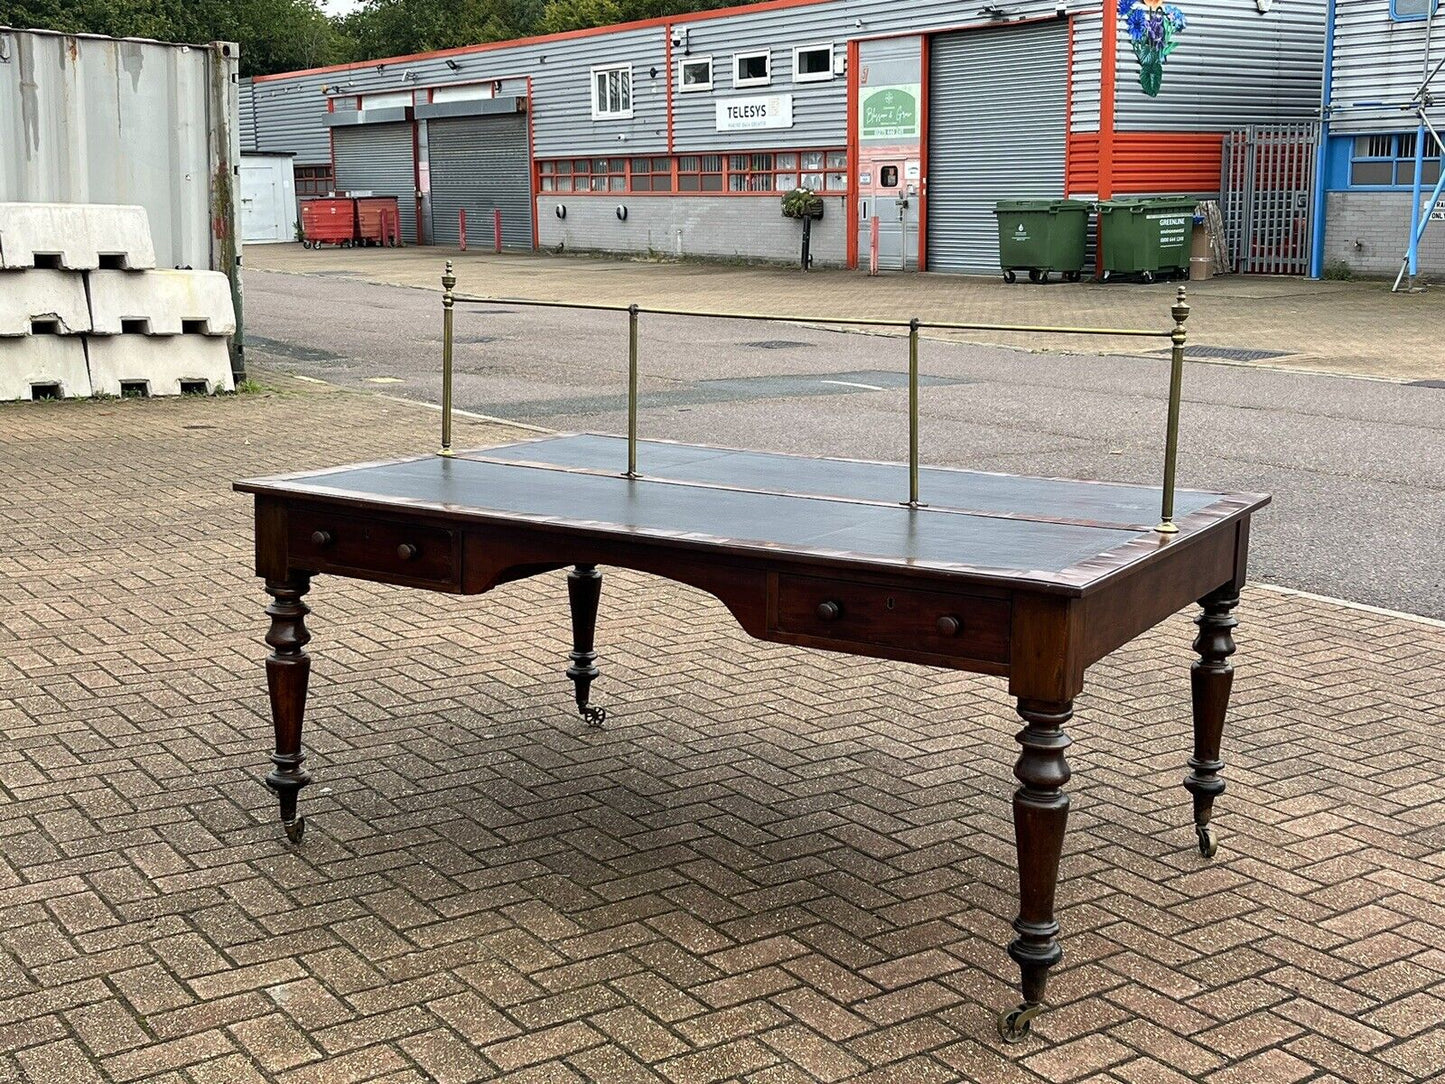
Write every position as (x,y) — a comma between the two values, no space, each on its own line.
(1180,312)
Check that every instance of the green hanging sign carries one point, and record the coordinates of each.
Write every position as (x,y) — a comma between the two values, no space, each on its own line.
(890,112)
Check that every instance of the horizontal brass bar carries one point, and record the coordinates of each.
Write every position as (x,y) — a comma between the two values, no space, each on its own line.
(849,321)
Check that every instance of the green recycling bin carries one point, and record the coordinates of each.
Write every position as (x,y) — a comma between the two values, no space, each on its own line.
(1146,237)
(1041,236)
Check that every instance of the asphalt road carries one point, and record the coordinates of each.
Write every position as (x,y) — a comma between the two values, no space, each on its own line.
(1356,467)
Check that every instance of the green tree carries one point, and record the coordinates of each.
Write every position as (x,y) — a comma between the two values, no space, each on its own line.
(274,35)
(283,35)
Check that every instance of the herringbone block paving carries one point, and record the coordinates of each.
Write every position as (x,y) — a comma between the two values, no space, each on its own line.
(773,865)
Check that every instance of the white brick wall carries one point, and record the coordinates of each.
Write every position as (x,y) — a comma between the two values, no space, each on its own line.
(1369,231)
(742,227)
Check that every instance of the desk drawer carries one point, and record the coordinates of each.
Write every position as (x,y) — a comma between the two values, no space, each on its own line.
(820,609)
(374,548)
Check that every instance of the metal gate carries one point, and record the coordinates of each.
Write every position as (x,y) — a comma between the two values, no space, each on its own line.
(997,129)
(379,158)
(1266,195)
(480,165)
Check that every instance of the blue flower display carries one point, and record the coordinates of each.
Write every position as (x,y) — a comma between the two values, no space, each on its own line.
(1152,26)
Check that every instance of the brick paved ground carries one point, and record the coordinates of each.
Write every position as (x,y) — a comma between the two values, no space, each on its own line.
(1358,328)
(778,866)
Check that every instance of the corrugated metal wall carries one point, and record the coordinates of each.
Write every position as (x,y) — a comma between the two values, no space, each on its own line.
(820,110)
(1233,67)
(380,158)
(1278,54)
(989,141)
(1379,64)
(480,165)
(246,102)
(1084,86)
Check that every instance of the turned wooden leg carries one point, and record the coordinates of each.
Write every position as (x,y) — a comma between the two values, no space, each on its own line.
(1210,679)
(584,590)
(287,669)
(1041,809)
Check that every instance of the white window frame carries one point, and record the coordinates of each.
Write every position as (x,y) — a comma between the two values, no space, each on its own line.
(766,80)
(599,113)
(689,88)
(813,77)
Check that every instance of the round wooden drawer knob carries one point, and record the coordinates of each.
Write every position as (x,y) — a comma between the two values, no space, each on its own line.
(321,539)
(948,625)
(828,611)
(407,552)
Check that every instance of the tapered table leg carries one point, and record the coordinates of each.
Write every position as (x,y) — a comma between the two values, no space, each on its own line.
(1041,810)
(584,590)
(287,669)
(1211,679)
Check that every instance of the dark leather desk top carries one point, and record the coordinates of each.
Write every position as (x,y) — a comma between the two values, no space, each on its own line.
(1068,534)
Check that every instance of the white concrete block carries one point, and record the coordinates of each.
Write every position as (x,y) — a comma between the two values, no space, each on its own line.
(43,360)
(53,299)
(78,235)
(168,302)
(162,363)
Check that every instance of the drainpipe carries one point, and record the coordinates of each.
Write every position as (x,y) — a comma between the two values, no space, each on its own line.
(1317,226)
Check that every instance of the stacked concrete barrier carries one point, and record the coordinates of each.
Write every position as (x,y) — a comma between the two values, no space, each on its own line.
(83,309)
(167,329)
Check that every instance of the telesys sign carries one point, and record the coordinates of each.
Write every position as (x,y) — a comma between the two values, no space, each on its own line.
(748,114)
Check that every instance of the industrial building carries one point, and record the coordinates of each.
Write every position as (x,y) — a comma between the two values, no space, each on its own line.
(678,135)
(1380,155)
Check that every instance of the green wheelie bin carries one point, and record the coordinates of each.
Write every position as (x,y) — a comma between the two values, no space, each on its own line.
(1146,237)
(1042,236)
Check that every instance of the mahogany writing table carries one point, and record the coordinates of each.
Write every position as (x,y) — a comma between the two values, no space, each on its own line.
(1031,579)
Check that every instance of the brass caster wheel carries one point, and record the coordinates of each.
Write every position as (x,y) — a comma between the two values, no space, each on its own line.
(1014,1025)
(595,717)
(1208,840)
(295,829)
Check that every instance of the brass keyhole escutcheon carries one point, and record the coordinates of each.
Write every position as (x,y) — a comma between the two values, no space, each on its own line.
(889,603)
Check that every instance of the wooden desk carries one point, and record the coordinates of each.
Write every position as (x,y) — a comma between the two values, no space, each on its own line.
(1031,579)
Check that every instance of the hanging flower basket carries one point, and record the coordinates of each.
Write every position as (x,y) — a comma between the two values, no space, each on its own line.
(1153,27)
(802,203)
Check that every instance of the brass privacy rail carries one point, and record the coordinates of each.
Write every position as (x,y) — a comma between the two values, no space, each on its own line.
(1176,335)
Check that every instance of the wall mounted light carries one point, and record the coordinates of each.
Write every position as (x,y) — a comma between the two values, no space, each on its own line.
(453,65)
(1263,6)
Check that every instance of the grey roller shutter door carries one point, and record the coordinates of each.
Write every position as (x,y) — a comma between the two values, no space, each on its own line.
(480,165)
(379,158)
(997,116)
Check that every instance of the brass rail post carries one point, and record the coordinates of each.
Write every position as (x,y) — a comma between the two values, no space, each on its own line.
(913,413)
(632,311)
(1180,312)
(449,300)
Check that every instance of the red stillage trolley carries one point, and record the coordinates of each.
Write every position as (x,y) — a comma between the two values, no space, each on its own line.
(328,220)
(378,220)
